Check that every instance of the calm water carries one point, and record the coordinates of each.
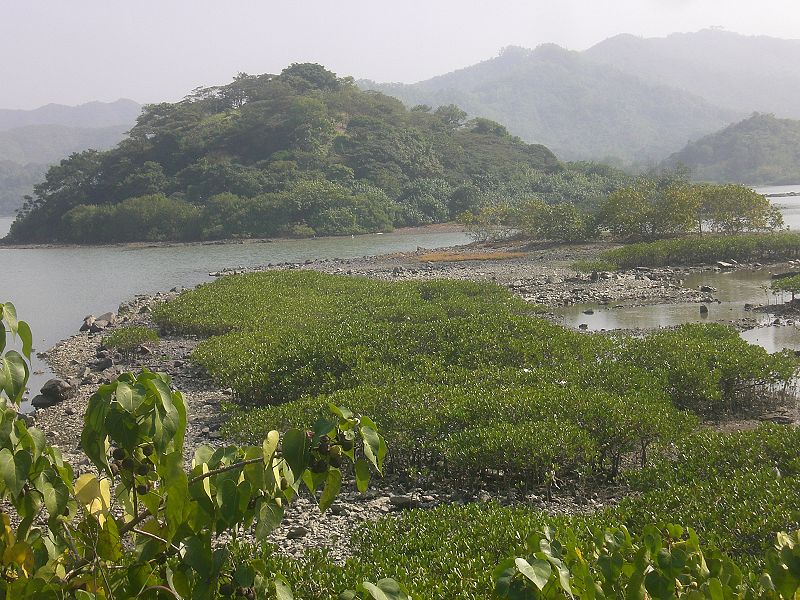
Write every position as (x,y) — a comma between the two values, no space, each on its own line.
(734,289)
(54,288)
(789,206)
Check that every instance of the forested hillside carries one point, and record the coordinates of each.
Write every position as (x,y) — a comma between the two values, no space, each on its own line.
(744,73)
(579,108)
(300,153)
(761,150)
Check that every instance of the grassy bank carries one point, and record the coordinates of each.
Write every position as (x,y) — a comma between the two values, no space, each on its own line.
(474,392)
(707,249)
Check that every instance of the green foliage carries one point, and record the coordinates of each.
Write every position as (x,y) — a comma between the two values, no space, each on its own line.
(707,249)
(300,152)
(760,150)
(660,564)
(462,370)
(141,524)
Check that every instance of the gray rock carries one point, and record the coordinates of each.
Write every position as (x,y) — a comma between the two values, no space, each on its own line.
(57,389)
(111,317)
(98,326)
(295,533)
(40,401)
(88,321)
(403,502)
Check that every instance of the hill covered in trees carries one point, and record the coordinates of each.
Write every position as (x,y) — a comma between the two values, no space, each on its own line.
(760,150)
(580,108)
(32,140)
(743,73)
(300,153)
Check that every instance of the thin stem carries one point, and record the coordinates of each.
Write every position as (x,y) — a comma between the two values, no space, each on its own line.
(238,465)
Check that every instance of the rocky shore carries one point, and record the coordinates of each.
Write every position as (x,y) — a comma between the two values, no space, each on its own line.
(540,275)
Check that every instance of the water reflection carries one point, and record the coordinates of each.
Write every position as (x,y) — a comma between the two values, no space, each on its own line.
(733,289)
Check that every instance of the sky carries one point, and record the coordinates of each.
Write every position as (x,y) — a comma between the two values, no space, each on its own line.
(75,51)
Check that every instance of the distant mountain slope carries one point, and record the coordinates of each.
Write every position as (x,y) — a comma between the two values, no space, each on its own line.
(761,150)
(744,73)
(578,108)
(91,114)
(47,144)
(32,140)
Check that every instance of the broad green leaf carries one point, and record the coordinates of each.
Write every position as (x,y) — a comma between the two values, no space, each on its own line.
(270,516)
(93,436)
(538,572)
(363,474)
(55,493)
(296,451)
(270,445)
(282,589)
(14,468)
(374,444)
(386,589)
(25,335)
(333,485)
(129,397)
(10,317)
(16,375)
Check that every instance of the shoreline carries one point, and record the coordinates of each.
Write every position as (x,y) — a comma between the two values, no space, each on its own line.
(449,227)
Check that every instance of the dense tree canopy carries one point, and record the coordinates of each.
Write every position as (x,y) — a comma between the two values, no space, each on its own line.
(300,153)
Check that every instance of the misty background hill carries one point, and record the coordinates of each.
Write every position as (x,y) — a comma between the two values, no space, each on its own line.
(91,114)
(32,140)
(627,100)
(577,107)
(743,73)
(760,150)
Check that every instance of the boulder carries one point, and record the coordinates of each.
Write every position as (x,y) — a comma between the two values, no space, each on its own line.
(88,321)
(402,502)
(57,389)
(40,401)
(703,309)
(111,317)
(725,265)
(98,325)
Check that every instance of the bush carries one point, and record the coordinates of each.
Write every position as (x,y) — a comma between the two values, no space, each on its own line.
(128,339)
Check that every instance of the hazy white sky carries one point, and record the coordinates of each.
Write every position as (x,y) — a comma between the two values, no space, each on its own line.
(73,51)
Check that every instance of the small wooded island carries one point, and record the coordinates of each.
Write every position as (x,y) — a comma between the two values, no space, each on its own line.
(297,154)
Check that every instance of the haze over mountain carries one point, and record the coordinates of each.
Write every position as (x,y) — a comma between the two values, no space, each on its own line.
(744,73)
(760,150)
(91,114)
(579,108)
(32,140)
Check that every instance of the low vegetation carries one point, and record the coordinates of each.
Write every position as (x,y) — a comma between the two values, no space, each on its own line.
(645,209)
(698,250)
(130,338)
(475,392)
(467,256)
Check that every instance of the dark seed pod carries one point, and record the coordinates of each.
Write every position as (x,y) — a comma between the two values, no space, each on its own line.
(336,461)
(114,468)
(345,442)
(319,466)
(119,453)
(147,449)
(143,469)
(128,464)
(142,489)
(226,589)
